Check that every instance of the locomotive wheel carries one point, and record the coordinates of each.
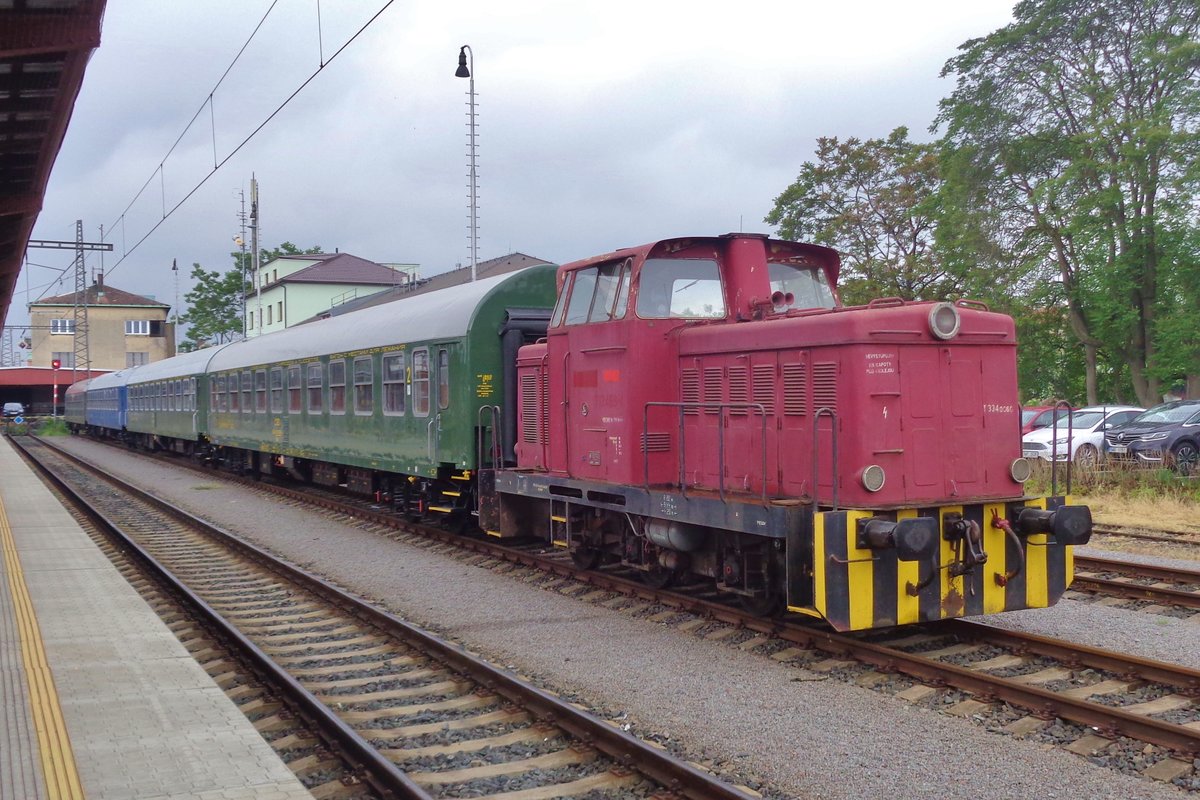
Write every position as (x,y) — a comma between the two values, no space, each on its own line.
(1087,455)
(660,577)
(586,557)
(770,604)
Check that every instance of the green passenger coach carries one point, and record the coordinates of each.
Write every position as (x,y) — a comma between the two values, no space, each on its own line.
(399,399)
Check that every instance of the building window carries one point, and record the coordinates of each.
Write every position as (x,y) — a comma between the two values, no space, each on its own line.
(270,309)
(420,381)
(137,327)
(316,379)
(134,359)
(443,379)
(250,321)
(277,390)
(393,384)
(62,326)
(65,360)
(280,306)
(364,388)
(337,387)
(294,389)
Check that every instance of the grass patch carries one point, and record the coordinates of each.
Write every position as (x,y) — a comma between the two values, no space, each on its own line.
(54,426)
(1128,496)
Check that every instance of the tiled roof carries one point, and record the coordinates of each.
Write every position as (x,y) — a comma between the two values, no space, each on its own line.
(341,268)
(484,269)
(101,295)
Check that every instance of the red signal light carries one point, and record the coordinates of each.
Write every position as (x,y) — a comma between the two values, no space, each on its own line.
(56,363)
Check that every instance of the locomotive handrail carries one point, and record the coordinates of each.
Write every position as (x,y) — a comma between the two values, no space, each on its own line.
(612,348)
(964,302)
(1054,445)
(721,409)
(822,411)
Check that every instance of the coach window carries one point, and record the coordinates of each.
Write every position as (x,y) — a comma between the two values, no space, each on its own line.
(316,387)
(260,391)
(364,388)
(393,384)
(561,305)
(337,386)
(219,400)
(234,404)
(172,397)
(276,390)
(293,389)
(683,288)
(443,377)
(420,382)
(247,392)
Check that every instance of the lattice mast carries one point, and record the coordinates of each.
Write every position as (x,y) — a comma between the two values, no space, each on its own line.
(82,359)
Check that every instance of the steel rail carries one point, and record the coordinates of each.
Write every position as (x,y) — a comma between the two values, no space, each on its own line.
(1136,591)
(634,753)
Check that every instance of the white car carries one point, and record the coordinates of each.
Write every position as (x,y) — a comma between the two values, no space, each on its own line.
(1083,438)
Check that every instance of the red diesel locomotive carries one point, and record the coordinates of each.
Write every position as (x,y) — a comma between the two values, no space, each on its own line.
(707,407)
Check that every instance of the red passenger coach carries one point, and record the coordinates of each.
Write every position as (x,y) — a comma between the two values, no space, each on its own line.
(706,407)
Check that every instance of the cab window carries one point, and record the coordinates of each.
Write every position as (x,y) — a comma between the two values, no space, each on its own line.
(807,285)
(560,307)
(684,288)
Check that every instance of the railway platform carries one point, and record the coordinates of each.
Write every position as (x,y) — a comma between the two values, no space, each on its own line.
(97,698)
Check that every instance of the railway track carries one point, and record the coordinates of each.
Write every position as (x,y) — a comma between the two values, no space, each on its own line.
(1163,587)
(418,716)
(1107,696)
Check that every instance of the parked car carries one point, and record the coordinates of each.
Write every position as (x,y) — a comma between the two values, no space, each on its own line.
(13,409)
(1167,434)
(1034,417)
(1079,437)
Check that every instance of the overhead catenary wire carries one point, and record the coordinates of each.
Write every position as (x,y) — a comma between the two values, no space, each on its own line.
(218,164)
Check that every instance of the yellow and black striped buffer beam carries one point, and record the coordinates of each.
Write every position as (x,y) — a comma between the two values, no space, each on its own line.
(858,588)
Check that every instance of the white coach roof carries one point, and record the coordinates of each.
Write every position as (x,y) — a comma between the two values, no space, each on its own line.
(443,314)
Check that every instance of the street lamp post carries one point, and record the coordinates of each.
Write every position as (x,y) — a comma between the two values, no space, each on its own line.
(465,71)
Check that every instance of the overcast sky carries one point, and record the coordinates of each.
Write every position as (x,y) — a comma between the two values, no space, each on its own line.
(601,124)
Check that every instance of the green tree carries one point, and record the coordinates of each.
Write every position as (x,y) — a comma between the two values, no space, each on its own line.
(214,314)
(216,302)
(1079,127)
(877,202)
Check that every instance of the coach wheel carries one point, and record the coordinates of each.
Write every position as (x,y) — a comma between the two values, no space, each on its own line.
(1185,455)
(1087,455)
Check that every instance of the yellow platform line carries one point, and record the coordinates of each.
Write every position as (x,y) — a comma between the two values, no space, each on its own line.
(54,744)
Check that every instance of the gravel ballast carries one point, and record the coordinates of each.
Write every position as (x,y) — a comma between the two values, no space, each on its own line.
(740,711)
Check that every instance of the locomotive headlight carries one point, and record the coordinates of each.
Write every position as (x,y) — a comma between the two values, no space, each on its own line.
(944,320)
(1020,470)
(872,478)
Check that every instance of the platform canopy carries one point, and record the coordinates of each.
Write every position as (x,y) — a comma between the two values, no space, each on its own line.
(44,48)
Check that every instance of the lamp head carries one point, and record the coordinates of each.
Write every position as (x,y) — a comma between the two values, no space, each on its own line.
(462,71)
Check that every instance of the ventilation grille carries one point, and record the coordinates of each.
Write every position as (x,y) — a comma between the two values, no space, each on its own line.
(545,431)
(764,387)
(739,389)
(795,389)
(825,386)
(690,390)
(712,388)
(656,442)
(530,423)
